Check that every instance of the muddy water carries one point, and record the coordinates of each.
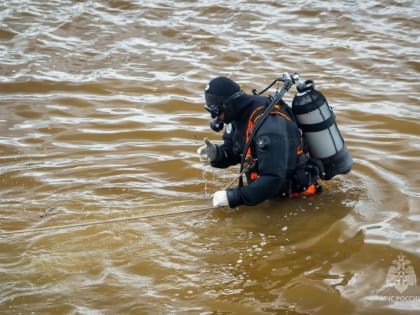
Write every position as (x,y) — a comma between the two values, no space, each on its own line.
(100,117)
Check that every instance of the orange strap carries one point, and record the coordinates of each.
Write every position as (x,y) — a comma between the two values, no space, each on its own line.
(253,175)
(253,118)
(311,190)
(255,115)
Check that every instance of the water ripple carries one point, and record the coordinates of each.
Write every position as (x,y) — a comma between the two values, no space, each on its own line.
(100,117)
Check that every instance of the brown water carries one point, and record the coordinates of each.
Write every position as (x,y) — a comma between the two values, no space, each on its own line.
(100,118)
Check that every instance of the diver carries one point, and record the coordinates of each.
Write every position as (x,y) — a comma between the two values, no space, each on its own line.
(274,158)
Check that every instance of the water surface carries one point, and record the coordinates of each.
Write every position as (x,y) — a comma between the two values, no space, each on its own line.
(100,118)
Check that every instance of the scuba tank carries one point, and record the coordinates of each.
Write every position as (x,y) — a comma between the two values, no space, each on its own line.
(317,121)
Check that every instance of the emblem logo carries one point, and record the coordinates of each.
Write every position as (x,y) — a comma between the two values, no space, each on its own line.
(228,128)
(401,274)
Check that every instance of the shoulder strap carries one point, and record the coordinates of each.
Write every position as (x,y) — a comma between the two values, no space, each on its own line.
(278,109)
(277,99)
(258,113)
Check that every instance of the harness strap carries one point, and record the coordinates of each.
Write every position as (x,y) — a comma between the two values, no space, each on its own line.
(253,118)
(256,115)
(311,190)
(287,84)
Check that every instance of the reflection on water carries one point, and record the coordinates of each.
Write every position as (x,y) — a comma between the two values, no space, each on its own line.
(100,117)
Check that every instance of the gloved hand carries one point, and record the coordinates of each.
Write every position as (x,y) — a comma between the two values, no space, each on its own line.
(207,152)
(220,199)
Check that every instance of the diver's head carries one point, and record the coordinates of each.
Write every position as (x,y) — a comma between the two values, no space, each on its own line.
(219,94)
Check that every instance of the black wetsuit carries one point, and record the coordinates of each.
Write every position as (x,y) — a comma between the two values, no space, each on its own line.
(274,149)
